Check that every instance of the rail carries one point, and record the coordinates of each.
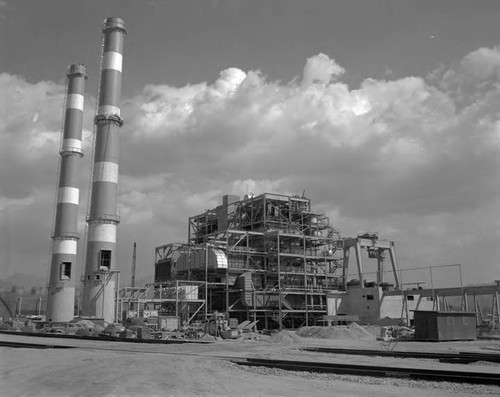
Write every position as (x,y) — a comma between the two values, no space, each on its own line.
(377,371)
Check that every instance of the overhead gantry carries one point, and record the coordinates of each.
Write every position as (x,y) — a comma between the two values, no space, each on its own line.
(376,249)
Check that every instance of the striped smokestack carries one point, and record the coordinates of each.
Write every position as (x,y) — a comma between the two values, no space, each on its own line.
(98,281)
(61,297)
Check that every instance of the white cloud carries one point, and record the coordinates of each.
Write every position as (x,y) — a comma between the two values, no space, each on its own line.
(250,186)
(476,75)
(404,157)
(321,69)
(229,81)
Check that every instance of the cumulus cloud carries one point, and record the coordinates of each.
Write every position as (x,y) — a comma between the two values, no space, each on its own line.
(476,75)
(228,82)
(30,133)
(321,69)
(405,157)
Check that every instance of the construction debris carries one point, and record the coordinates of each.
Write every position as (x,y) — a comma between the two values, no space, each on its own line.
(396,332)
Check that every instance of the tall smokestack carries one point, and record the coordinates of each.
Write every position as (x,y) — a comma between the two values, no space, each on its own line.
(133,265)
(61,297)
(98,280)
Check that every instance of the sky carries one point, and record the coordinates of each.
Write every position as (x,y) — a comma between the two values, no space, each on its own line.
(386,112)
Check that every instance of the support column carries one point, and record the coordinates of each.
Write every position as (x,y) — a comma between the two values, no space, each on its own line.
(380,266)
(360,264)
(394,265)
(345,266)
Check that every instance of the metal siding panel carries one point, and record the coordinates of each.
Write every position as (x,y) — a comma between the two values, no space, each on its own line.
(105,171)
(75,102)
(73,120)
(113,41)
(66,219)
(110,89)
(112,60)
(76,85)
(70,169)
(104,199)
(107,147)
(71,145)
(103,232)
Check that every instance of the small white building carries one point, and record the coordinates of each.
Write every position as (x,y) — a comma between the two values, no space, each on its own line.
(374,305)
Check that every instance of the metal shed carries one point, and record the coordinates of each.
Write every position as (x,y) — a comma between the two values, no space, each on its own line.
(444,326)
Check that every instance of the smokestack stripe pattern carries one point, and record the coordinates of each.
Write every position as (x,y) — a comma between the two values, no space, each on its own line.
(61,297)
(98,282)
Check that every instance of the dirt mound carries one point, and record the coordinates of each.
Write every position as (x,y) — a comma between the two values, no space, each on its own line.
(361,331)
(350,332)
(253,336)
(285,337)
(374,330)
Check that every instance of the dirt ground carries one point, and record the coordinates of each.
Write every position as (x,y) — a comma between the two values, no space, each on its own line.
(130,369)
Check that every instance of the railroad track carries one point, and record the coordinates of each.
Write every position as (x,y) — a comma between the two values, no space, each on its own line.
(467,357)
(473,377)
(378,371)
(33,345)
(106,338)
(459,358)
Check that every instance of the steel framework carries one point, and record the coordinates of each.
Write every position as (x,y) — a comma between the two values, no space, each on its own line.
(176,298)
(269,258)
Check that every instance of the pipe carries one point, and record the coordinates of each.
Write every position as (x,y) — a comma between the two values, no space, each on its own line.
(98,295)
(61,290)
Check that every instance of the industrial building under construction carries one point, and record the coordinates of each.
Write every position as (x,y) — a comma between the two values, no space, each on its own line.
(272,260)
(266,267)
(268,260)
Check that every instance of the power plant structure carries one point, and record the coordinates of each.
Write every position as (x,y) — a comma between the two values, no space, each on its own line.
(61,290)
(274,261)
(271,259)
(100,273)
(268,258)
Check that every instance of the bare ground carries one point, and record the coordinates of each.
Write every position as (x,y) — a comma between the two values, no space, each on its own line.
(126,369)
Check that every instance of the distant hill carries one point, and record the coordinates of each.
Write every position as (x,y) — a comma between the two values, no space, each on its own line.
(26,281)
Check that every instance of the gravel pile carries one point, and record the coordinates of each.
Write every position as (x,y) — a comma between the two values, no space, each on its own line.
(350,332)
(253,336)
(285,337)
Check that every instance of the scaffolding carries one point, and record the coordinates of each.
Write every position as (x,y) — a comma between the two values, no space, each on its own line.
(268,258)
(175,298)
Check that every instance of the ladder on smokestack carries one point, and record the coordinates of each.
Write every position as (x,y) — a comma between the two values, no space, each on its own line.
(94,132)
